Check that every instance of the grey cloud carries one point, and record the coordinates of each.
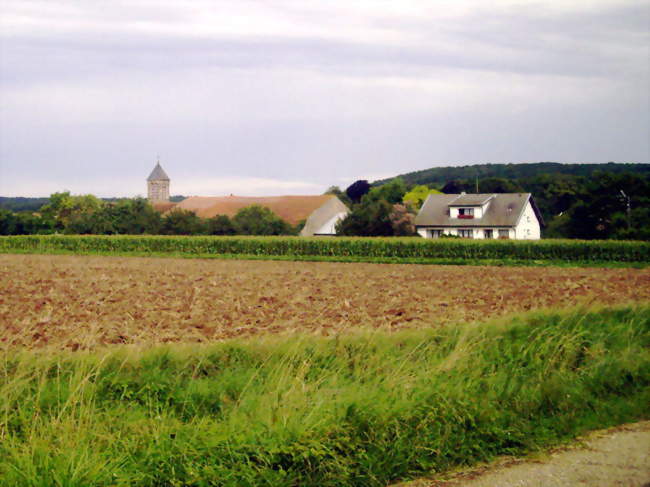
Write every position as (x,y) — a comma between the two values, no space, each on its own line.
(522,41)
(28,59)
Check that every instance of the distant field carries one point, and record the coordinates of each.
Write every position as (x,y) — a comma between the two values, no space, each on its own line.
(77,302)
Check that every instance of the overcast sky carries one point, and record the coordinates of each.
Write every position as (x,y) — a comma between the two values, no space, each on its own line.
(292,96)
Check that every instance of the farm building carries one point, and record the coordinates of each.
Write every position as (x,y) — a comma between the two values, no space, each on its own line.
(504,215)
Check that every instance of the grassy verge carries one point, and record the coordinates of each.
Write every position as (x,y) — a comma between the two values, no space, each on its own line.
(357,410)
(349,259)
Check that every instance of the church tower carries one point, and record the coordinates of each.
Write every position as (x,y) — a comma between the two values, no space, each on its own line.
(158,185)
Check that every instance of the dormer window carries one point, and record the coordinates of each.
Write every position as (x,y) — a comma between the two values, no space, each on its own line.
(465,212)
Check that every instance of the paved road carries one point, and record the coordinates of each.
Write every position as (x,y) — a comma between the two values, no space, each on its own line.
(619,457)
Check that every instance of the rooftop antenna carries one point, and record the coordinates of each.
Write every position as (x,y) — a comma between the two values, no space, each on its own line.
(477,183)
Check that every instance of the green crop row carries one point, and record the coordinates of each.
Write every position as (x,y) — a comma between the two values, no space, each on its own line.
(362,247)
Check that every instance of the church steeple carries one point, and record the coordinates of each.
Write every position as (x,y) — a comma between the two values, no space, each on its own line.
(158,184)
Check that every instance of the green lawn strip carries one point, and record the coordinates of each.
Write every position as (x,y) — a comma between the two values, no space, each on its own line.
(351,259)
(362,409)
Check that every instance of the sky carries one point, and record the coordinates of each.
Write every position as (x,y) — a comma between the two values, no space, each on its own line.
(268,97)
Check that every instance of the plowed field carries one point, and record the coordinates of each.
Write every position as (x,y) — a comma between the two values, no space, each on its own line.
(83,302)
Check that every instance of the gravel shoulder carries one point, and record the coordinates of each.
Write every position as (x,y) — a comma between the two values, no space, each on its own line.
(617,457)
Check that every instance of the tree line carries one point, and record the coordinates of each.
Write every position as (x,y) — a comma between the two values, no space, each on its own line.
(439,176)
(87,214)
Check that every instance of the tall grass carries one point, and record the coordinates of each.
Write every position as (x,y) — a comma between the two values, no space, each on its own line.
(342,247)
(357,410)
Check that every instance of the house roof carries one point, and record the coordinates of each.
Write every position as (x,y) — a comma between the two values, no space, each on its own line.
(292,209)
(158,173)
(504,210)
(464,199)
(323,215)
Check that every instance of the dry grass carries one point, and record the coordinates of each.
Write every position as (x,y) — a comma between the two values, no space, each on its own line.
(84,302)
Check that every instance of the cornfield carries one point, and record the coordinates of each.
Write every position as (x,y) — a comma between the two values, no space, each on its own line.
(361,247)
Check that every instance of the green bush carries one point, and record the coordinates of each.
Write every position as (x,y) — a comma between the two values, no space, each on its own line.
(363,248)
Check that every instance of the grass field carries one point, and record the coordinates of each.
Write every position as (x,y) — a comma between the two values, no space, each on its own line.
(359,409)
(85,302)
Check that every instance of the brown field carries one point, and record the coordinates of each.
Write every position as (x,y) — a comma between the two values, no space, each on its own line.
(84,302)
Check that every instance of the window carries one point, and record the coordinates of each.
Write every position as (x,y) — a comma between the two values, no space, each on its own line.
(465,212)
(504,233)
(488,233)
(466,233)
(435,233)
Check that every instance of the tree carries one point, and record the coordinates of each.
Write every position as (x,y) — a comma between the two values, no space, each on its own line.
(602,211)
(86,223)
(370,218)
(134,216)
(357,190)
(453,187)
(499,185)
(220,225)
(259,220)
(24,223)
(418,195)
(391,192)
(401,220)
(181,222)
(336,191)
(63,208)
(7,222)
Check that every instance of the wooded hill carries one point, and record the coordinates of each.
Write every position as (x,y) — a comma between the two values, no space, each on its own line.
(442,175)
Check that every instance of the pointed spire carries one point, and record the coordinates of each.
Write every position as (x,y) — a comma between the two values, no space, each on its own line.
(158,173)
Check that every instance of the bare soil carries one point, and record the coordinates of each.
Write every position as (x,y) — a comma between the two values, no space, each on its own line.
(80,302)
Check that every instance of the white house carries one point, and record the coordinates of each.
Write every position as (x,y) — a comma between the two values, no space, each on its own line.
(502,215)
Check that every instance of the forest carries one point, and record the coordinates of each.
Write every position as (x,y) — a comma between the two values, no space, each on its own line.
(441,175)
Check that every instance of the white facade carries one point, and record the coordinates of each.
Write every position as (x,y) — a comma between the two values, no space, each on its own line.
(477,233)
(528,227)
(329,228)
